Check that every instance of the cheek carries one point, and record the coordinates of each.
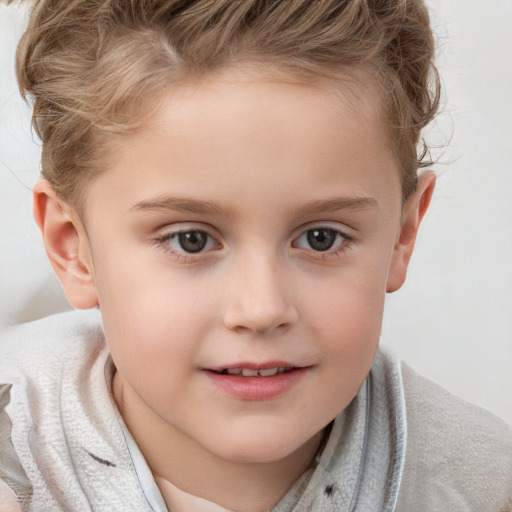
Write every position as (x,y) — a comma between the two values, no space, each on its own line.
(351,335)
(350,303)
(150,319)
(346,323)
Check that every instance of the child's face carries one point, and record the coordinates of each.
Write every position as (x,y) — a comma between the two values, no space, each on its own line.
(288,203)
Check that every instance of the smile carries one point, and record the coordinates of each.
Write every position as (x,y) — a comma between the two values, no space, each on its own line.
(256,384)
(249,372)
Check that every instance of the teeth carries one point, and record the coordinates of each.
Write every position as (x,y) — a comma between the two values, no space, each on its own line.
(269,372)
(248,372)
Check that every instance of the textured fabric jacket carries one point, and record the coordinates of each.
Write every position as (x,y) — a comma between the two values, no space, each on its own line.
(403,444)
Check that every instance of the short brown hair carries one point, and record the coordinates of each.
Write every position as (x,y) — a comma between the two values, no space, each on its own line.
(91,65)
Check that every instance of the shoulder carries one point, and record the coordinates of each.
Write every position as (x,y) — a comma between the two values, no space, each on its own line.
(41,345)
(458,456)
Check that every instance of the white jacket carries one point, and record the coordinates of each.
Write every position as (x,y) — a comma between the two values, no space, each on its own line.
(403,444)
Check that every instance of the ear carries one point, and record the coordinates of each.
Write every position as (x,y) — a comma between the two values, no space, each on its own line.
(67,245)
(412,214)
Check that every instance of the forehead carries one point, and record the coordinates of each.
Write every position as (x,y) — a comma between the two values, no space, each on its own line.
(351,90)
(230,129)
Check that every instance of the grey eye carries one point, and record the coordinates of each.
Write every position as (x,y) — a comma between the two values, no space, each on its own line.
(192,241)
(320,239)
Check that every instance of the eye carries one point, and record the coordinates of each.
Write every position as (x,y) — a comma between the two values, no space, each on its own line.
(321,239)
(191,241)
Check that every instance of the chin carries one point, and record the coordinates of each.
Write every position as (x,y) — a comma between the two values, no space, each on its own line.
(258,455)
(256,452)
(265,449)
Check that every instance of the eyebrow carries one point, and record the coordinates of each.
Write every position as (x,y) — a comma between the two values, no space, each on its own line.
(339,203)
(203,207)
(180,204)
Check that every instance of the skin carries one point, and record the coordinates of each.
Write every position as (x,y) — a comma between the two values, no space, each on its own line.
(8,500)
(256,164)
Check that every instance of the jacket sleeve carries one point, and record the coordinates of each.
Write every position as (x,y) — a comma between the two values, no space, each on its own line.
(458,456)
(14,484)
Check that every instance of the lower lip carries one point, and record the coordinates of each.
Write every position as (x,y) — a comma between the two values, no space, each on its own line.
(257,388)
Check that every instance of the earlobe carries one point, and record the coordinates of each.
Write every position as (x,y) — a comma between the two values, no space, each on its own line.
(66,244)
(413,212)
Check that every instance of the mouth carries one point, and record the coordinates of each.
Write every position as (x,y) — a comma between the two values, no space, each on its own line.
(257,382)
(252,372)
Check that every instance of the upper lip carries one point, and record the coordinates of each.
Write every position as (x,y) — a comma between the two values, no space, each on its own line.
(267,365)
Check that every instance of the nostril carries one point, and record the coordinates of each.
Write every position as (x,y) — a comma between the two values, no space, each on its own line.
(259,309)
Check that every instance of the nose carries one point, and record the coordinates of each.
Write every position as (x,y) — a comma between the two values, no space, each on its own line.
(259,298)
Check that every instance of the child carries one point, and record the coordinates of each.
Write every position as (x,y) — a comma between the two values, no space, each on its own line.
(234,186)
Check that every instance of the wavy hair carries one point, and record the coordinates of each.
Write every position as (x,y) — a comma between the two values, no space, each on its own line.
(92,66)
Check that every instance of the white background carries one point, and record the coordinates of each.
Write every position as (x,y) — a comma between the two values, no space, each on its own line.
(452,321)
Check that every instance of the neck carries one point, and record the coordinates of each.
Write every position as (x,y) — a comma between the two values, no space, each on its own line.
(237,486)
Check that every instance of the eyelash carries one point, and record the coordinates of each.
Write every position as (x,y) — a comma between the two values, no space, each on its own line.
(163,242)
(340,238)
